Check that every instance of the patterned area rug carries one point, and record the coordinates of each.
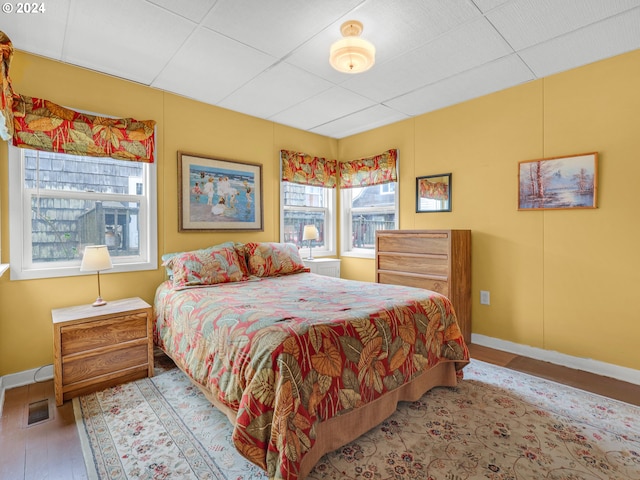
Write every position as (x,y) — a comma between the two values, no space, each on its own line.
(497,424)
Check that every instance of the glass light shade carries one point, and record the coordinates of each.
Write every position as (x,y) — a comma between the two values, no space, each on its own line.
(95,259)
(310,232)
(352,54)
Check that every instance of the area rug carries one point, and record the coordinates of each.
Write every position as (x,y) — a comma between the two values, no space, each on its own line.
(497,424)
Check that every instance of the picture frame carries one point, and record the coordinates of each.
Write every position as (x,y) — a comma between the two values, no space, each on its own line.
(218,194)
(433,193)
(558,183)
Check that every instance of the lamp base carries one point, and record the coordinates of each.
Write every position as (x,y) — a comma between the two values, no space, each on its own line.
(99,302)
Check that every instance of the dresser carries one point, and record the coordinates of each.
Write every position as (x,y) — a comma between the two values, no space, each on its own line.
(438,260)
(99,347)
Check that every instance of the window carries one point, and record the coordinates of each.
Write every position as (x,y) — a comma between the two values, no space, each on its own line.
(364,211)
(308,205)
(60,203)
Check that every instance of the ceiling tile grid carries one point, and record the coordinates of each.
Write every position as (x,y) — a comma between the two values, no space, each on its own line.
(271,59)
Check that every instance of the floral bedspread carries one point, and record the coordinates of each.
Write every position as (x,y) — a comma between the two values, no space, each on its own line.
(287,352)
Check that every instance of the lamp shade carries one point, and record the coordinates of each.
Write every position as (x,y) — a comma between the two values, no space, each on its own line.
(95,259)
(310,232)
(352,54)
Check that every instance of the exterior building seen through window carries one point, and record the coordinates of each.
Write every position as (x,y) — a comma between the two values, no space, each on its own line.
(61,203)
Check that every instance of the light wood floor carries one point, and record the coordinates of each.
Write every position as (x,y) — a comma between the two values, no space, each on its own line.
(51,449)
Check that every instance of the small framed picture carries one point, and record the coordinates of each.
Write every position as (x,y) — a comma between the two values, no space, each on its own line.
(217,194)
(558,182)
(433,193)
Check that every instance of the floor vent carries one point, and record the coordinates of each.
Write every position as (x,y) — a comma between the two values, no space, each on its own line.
(38,412)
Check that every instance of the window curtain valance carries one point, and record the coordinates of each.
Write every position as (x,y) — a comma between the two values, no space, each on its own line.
(43,125)
(369,171)
(6,94)
(307,170)
(433,190)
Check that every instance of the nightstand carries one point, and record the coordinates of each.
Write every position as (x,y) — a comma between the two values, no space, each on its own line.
(99,347)
(324,266)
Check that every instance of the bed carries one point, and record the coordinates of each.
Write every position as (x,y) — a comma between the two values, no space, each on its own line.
(300,363)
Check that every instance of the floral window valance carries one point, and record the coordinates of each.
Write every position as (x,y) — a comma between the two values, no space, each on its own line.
(6,93)
(43,125)
(307,170)
(433,190)
(369,171)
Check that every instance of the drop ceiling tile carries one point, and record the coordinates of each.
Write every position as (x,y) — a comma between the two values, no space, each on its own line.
(398,26)
(487,5)
(133,39)
(210,66)
(277,26)
(42,33)
(488,78)
(395,27)
(524,23)
(275,90)
(452,53)
(323,108)
(194,10)
(612,37)
(361,121)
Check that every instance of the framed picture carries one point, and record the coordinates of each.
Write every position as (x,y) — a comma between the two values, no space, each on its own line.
(433,193)
(558,182)
(217,194)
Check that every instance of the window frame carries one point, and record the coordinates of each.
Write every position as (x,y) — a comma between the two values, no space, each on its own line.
(346,224)
(20,225)
(329,248)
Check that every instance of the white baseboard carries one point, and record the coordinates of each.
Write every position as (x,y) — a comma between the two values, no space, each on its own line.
(586,364)
(20,379)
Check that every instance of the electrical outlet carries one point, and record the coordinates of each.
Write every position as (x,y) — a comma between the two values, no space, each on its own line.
(485,297)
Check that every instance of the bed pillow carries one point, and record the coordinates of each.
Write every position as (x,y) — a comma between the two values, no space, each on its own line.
(208,266)
(241,250)
(166,258)
(268,259)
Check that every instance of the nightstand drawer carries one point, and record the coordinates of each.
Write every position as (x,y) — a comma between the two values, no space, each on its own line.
(83,367)
(92,335)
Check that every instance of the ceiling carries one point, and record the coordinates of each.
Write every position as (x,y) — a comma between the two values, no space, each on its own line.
(269,59)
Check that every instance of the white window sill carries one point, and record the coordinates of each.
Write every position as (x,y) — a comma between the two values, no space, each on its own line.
(3,268)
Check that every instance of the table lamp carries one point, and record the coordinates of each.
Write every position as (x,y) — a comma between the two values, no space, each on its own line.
(95,259)
(310,233)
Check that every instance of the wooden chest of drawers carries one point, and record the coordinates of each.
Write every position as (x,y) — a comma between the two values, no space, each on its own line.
(98,347)
(438,260)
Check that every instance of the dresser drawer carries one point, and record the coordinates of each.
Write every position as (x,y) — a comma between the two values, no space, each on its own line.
(102,333)
(440,286)
(420,264)
(83,367)
(434,243)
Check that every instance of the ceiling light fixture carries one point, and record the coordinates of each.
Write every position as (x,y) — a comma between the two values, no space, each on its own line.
(352,54)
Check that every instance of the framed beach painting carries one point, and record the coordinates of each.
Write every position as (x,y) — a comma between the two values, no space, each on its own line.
(558,182)
(433,193)
(217,194)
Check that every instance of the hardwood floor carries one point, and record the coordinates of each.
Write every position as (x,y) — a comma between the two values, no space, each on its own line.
(51,449)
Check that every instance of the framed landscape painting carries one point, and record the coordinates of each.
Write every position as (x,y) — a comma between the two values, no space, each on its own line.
(217,194)
(558,182)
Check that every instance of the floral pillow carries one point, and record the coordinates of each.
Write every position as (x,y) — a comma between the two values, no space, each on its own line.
(166,258)
(209,266)
(268,259)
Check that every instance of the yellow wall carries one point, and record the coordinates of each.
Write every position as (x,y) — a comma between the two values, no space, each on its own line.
(564,280)
(182,124)
(559,280)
